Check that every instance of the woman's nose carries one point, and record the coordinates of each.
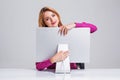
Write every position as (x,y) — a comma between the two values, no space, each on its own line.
(52,19)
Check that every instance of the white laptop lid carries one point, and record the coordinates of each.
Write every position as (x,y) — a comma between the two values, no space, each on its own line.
(78,40)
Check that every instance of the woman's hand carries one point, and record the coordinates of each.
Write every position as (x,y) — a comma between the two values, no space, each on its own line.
(60,56)
(64,29)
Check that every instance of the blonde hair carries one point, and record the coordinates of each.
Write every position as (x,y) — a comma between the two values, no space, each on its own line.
(41,22)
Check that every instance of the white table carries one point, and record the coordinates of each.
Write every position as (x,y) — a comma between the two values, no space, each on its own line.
(87,74)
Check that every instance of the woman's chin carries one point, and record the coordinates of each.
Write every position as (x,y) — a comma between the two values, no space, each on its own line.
(55,26)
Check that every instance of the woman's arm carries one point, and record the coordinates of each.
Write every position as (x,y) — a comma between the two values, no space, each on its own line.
(42,65)
(64,29)
(92,27)
(60,56)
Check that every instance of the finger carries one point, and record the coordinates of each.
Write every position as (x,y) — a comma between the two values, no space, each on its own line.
(65,56)
(66,52)
(62,30)
(60,51)
(65,31)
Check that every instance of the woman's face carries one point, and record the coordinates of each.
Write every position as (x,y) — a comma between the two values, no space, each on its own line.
(51,19)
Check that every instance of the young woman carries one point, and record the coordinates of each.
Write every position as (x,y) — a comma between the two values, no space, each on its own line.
(48,17)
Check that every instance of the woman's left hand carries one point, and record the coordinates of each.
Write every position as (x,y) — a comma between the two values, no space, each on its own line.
(64,29)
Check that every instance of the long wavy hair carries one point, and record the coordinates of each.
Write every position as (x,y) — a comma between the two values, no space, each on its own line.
(41,16)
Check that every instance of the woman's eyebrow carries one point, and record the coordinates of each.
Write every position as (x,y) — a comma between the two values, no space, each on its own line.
(46,17)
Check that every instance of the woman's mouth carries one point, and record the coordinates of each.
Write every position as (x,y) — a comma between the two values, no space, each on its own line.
(53,23)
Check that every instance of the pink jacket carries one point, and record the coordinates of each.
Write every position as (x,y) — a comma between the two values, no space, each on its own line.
(47,64)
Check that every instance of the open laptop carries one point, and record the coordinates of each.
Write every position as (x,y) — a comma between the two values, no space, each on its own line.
(78,40)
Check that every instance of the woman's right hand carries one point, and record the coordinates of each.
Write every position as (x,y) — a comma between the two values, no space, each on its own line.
(65,28)
(60,56)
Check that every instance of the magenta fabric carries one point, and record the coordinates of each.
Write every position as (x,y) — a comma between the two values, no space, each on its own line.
(46,64)
(92,27)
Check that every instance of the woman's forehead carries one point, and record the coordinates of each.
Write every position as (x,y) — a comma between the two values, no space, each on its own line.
(48,13)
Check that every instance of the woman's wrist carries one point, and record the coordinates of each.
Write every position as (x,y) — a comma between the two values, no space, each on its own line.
(52,60)
(74,25)
(71,25)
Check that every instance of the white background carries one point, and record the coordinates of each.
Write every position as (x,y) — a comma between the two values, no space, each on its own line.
(19,19)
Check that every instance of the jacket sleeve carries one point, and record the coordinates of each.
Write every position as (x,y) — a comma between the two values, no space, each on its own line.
(42,65)
(92,27)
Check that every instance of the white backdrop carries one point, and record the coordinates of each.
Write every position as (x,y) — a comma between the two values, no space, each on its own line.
(19,19)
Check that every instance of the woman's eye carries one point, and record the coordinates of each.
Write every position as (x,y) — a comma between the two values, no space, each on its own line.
(47,19)
(53,15)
